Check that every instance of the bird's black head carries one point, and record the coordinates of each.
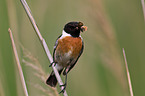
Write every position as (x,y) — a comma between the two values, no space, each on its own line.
(74,28)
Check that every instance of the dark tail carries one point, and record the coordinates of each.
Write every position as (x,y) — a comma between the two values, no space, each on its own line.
(52,81)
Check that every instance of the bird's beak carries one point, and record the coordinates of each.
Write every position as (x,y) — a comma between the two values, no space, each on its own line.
(84,28)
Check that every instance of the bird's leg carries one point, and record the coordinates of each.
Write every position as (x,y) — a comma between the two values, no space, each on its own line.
(52,63)
(64,85)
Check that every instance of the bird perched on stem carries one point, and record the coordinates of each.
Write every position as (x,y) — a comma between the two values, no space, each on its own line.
(67,50)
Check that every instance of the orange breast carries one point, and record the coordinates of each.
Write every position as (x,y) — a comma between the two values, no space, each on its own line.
(72,44)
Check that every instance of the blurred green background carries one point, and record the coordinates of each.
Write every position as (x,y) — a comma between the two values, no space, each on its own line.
(112,25)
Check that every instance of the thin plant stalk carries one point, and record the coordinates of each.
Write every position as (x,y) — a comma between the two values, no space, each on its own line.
(143,8)
(18,63)
(28,11)
(128,74)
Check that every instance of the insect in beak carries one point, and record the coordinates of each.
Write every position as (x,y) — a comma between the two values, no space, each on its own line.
(84,28)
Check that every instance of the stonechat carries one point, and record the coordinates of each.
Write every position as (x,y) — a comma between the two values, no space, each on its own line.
(67,50)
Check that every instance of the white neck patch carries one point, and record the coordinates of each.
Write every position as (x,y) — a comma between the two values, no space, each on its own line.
(64,34)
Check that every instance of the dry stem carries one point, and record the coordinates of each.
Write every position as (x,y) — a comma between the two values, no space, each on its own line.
(18,63)
(143,8)
(28,11)
(128,75)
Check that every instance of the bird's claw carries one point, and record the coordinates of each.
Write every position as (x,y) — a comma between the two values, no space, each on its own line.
(52,63)
(64,87)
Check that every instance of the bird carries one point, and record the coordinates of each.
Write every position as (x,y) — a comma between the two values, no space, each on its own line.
(67,50)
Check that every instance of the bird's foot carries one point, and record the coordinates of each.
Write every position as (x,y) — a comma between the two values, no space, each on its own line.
(64,87)
(52,63)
